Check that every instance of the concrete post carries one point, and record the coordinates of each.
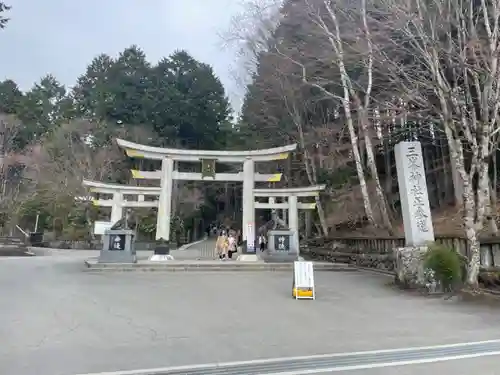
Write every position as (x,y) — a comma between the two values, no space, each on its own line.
(117,207)
(293,221)
(248,202)
(165,201)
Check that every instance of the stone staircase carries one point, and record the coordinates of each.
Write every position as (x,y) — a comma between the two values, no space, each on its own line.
(204,250)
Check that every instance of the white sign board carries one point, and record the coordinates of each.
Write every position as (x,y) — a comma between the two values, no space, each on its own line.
(250,237)
(101,226)
(303,280)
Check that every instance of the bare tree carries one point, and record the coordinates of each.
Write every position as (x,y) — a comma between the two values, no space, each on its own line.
(443,56)
(252,32)
(249,35)
(338,32)
(295,106)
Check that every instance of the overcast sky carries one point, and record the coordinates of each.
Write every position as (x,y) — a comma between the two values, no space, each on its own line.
(62,36)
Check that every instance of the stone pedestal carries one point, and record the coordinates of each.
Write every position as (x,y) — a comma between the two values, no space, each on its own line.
(161,252)
(248,258)
(118,247)
(281,247)
(161,257)
(409,266)
(162,248)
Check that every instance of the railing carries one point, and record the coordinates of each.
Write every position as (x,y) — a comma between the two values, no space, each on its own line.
(377,252)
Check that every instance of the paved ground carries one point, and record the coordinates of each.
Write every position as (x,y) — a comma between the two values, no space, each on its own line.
(479,366)
(57,320)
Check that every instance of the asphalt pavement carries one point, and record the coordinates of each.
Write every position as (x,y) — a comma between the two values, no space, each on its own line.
(57,320)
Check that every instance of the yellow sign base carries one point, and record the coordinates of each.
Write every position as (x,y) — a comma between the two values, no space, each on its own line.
(302,293)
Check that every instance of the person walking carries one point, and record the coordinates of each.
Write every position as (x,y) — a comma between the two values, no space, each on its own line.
(222,246)
(262,242)
(219,245)
(231,246)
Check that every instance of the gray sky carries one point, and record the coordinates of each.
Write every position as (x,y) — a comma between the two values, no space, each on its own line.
(62,36)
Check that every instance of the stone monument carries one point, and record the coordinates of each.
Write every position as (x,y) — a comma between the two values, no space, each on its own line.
(281,247)
(118,243)
(417,220)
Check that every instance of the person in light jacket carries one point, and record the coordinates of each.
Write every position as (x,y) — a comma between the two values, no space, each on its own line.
(222,246)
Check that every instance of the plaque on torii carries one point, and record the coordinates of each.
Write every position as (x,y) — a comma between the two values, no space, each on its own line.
(208,168)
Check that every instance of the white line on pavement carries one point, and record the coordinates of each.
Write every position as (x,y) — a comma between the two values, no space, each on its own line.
(153,371)
(384,364)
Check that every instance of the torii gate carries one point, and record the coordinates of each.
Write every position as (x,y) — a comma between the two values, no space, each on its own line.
(208,160)
(117,203)
(292,204)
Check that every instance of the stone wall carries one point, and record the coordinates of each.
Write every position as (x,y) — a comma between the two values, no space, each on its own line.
(339,252)
(378,252)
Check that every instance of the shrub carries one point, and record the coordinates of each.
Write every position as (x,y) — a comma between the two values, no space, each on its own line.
(446,265)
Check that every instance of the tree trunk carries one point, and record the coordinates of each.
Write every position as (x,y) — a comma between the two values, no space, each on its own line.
(470,213)
(374,171)
(491,212)
(474,255)
(493,197)
(309,163)
(355,144)
(359,170)
(388,173)
(471,232)
(312,177)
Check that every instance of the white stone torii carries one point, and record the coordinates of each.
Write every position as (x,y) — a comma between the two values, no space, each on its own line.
(169,155)
(292,205)
(195,176)
(117,203)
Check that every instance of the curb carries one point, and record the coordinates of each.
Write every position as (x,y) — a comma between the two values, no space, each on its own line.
(200,267)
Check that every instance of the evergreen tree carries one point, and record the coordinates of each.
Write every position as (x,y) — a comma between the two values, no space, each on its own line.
(42,109)
(10,97)
(92,94)
(197,110)
(129,81)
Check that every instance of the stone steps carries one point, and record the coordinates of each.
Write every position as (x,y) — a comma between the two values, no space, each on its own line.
(206,266)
